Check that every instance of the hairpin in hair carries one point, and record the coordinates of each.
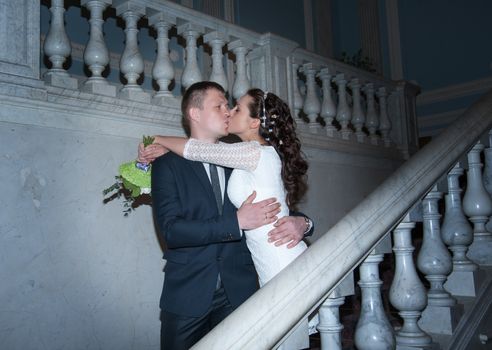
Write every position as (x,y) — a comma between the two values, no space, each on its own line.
(263,124)
(263,121)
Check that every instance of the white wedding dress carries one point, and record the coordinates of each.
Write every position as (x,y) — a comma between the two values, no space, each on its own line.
(256,168)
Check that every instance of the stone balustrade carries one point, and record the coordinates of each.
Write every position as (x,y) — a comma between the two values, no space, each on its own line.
(426,314)
(331,101)
(367,110)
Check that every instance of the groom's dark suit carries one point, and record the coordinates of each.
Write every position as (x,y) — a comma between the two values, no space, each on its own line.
(200,242)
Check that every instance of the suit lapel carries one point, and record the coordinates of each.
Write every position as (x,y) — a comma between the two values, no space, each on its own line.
(201,174)
(199,170)
(228,172)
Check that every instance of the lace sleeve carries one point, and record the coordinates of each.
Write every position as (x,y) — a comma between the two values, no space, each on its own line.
(241,155)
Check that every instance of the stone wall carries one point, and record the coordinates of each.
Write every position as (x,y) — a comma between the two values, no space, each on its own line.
(75,273)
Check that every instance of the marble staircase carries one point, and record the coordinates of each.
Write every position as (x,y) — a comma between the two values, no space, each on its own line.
(468,329)
(423,273)
(431,316)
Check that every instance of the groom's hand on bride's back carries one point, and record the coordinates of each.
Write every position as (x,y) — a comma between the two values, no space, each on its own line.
(253,215)
(288,230)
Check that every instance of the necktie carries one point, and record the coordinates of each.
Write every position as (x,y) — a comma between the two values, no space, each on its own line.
(214,179)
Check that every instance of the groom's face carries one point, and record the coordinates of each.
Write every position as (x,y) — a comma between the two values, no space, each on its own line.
(214,116)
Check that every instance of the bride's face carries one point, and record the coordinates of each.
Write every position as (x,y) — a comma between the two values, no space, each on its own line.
(240,121)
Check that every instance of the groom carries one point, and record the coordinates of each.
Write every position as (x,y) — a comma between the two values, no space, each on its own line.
(209,271)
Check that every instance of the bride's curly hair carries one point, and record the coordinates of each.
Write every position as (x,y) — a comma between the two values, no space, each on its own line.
(278,128)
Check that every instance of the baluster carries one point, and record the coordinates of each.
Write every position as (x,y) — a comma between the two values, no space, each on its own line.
(328,108)
(241,83)
(298,101)
(329,326)
(435,262)
(163,70)
(96,54)
(373,330)
(477,205)
(434,259)
(57,48)
(372,121)
(407,293)
(191,72)
(358,117)
(456,230)
(131,63)
(343,110)
(384,121)
(217,40)
(312,105)
(487,175)
(458,234)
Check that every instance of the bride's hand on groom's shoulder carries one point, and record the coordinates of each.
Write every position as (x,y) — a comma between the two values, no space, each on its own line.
(150,153)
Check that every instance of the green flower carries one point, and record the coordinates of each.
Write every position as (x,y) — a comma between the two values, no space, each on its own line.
(135,179)
(132,183)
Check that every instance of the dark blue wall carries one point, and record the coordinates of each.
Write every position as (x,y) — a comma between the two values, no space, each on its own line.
(346,32)
(281,17)
(445,42)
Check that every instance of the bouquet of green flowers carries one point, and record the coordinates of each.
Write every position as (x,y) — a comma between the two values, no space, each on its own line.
(133,183)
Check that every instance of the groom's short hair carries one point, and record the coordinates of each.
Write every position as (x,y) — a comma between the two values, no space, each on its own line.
(194,96)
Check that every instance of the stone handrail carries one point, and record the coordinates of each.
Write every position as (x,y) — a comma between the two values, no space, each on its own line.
(270,313)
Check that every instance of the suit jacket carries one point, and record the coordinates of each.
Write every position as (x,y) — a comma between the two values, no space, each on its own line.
(200,242)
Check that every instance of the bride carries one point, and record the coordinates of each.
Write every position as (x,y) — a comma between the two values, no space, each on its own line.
(268,161)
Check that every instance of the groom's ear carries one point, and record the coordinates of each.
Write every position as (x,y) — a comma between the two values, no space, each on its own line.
(194,114)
